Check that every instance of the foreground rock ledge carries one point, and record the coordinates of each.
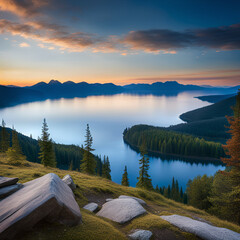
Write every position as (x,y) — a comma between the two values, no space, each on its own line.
(121,210)
(201,229)
(45,197)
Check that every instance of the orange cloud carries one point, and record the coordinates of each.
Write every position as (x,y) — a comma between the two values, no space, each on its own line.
(24,8)
(24,44)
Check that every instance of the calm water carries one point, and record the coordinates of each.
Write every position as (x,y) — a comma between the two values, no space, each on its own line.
(108,116)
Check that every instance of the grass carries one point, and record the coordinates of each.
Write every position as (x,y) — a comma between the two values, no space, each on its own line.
(94,227)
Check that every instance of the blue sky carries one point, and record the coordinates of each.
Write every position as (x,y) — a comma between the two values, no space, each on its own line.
(120,41)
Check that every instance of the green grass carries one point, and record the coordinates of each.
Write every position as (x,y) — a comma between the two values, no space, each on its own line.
(94,227)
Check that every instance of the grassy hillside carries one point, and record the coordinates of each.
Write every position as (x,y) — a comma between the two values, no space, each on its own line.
(97,189)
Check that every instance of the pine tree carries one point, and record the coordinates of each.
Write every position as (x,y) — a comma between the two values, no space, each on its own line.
(71,166)
(228,202)
(144,180)
(15,141)
(125,181)
(88,164)
(14,153)
(47,153)
(5,138)
(106,168)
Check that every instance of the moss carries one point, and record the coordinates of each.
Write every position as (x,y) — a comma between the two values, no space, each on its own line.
(92,228)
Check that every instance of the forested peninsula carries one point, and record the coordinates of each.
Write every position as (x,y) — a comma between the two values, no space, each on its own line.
(200,137)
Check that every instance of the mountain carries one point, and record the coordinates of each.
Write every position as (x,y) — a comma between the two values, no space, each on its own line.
(10,96)
(56,89)
(169,86)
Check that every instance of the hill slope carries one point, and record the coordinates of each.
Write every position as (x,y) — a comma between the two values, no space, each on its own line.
(219,109)
(97,189)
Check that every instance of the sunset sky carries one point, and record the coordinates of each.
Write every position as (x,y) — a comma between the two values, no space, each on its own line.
(120,41)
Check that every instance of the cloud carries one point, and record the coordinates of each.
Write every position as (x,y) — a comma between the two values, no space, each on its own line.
(151,41)
(75,42)
(168,41)
(23,8)
(24,44)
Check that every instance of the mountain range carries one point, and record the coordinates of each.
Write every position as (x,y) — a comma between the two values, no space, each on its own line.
(12,95)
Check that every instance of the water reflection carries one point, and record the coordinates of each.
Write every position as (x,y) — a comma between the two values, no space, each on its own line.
(108,116)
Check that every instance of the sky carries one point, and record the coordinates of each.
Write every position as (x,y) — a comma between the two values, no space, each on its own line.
(120,41)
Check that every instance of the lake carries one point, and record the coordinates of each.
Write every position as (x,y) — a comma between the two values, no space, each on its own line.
(108,116)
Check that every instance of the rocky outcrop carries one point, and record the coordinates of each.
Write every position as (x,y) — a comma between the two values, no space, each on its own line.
(121,210)
(47,197)
(92,207)
(140,235)
(8,190)
(201,229)
(135,198)
(69,181)
(5,181)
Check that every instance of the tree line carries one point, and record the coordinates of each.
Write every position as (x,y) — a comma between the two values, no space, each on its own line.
(19,148)
(220,194)
(160,140)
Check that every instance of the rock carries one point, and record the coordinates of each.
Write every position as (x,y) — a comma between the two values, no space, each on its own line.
(6,191)
(109,199)
(5,181)
(141,235)
(201,229)
(92,207)
(47,197)
(135,198)
(121,210)
(69,181)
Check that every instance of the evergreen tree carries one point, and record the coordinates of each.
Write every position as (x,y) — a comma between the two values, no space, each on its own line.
(14,153)
(47,153)
(71,166)
(15,141)
(144,180)
(5,138)
(88,164)
(106,168)
(226,186)
(125,181)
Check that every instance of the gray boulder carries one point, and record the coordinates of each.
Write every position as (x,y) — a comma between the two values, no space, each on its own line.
(121,210)
(47,197)
(5,181)
(69,181)
(6,191)
(109,199)
(135,198)
(140,235)
(201,229)
(92,207)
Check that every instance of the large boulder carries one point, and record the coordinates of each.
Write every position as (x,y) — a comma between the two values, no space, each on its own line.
(140,235)
(201,229)
(121,210)
(5,181)
(135,198)
(8,190)
(69,181)
(92,207)
(47,197)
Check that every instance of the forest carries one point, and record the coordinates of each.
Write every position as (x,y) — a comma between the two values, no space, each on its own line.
(163,141)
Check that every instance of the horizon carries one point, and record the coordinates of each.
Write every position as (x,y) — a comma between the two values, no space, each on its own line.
(122,85)
(120,42)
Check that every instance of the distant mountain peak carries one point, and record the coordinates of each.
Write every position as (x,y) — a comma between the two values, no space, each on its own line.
(54,82)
